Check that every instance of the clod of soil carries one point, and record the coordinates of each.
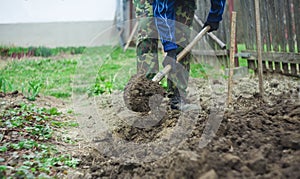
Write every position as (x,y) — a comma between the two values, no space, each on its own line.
(139,90)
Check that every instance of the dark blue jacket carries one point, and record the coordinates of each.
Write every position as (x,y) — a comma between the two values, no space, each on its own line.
(216,10)
(164,14)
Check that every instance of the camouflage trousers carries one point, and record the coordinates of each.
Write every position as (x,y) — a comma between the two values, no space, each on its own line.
(147,42)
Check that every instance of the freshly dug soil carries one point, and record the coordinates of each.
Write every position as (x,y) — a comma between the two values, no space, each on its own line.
(256,138)
(139,90)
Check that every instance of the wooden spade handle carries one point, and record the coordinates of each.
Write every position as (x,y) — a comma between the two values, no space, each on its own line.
(160,75)
(214,37)
(131,36)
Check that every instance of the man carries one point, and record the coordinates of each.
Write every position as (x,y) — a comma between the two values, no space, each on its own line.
(173,19)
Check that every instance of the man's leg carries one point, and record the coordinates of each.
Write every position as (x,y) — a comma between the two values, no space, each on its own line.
(147,42)
(178,81)
(164,14)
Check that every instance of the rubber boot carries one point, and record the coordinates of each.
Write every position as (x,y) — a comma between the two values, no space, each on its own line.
(179,102)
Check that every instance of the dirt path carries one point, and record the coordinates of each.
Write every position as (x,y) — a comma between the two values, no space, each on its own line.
(251,139)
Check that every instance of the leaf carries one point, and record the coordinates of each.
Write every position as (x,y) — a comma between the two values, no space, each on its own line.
(3,168)
(54,111)
(3,148)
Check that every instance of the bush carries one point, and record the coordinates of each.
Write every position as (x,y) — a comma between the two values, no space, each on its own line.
(42,52)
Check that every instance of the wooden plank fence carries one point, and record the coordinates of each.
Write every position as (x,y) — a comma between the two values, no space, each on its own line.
(280,34)
(280,21)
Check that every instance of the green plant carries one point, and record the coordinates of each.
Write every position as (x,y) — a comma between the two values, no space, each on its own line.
(31,143)
(42,52)
(5,85)
(33,90)
(59,94)
(199,71)
(164,83)
(242,62)
(101,86)
(60,124)
(78,50)
(116,69)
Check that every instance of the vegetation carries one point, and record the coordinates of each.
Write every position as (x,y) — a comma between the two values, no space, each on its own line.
(115,71)
(19,52)
(50,77)
(54,77)
(27,142)
(27,132)
(242,62)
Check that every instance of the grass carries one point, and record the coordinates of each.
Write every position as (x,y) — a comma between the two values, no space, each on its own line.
(50,77)
(105,68)
(242,62)
(198,71)
(116,69)
(19,52)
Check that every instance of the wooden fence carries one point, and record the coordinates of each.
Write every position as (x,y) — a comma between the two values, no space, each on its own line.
(280,21)
(280,33)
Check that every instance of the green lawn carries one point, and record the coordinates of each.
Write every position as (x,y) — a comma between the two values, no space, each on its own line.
(50,77)
(97,70)
(108,68)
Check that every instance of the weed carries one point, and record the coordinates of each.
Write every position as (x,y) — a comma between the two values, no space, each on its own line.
(5,85)
(30,145)
(199,71)
(164,83)
(53,111)
(42,52)
(60,124)
(62,95)
(33,90)
(101,86)
(115,71)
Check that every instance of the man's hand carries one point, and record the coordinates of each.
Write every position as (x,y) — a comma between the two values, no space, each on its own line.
(213,25)
(170,59)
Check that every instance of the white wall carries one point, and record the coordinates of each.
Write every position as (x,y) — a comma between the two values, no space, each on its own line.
(57,22)
(59,34)
(32,11)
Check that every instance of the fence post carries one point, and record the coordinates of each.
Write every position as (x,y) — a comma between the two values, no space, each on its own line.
(231,10)
(232,52)
(259,48)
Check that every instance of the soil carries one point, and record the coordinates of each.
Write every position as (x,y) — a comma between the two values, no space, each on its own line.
(252,138)
(139,90)
(14,98)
